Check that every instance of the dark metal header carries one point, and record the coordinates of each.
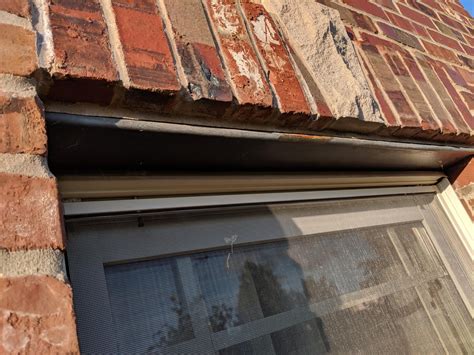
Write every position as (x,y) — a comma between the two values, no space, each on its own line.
(85,143)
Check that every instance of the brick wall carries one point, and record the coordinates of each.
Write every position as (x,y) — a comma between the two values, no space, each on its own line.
(36,314)
(245,63)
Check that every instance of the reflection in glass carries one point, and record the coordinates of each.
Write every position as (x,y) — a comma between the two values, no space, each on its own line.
(377,290)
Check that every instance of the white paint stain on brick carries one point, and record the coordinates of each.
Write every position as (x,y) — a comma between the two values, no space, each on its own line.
(248,68)
(264,31)
(226,18)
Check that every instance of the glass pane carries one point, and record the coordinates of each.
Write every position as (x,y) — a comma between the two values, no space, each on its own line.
(148,306)
(372,290)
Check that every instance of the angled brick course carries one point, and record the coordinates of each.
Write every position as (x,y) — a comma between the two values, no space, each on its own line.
(245,72)
(280,71)
(146,50)
(204,74)
(81,45)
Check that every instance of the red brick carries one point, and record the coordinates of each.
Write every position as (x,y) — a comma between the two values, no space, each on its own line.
(467,61)
(36,316)
(29,213)
(388,4)
(420,30)
(449,42)
(398,68)
(246,75)
(438,108)
(81,44)
(440,52)
(146,50)
(22,125)
(368,7)
(377,41)
(468,49)
(448,31)
(416,16)
(456,76)
(400,22)
(387,113)
(453,23)
(468,118)
(424,9)
(470,40)
(462,174)
(199,57)
(17,50)
(390,86)
(281,73)
(351,17)
(469,98)
(443,95)
(400,36)
(433,3)
(17,7)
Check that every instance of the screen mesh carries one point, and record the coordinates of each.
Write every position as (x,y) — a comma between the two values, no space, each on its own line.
(371,290)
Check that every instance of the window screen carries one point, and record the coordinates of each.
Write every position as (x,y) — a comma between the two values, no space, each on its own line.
(349,276)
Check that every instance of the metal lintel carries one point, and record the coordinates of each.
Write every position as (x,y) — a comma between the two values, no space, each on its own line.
(86,143)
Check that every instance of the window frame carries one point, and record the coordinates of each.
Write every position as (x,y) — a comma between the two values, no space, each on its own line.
(448,248)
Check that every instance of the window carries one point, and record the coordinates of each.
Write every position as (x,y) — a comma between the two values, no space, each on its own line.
(369,274)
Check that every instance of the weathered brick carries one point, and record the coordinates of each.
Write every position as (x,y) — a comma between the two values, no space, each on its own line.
(146,49)
(36,316)
(467,61)
(247,78)
(400,36)
(202,66)
(17,50)
(443,95)
(17,7)
(400,22)
(449,42)
(351,17)
(468,49)
(29,213)
(433,4)
(398,68)
(388,115)
(438,108)
(469,98)
(416,16)
(468,118)
(368,7)
(420,30)
(388,4)
(440,52)
(424,9)
(81,44)
(281,74)
(448,31)
(451,22)
(22,125)
(392,89)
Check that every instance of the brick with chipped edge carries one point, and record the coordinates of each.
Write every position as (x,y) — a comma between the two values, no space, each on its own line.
(203,70)
(243,68)
(146,50)
(281,74)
